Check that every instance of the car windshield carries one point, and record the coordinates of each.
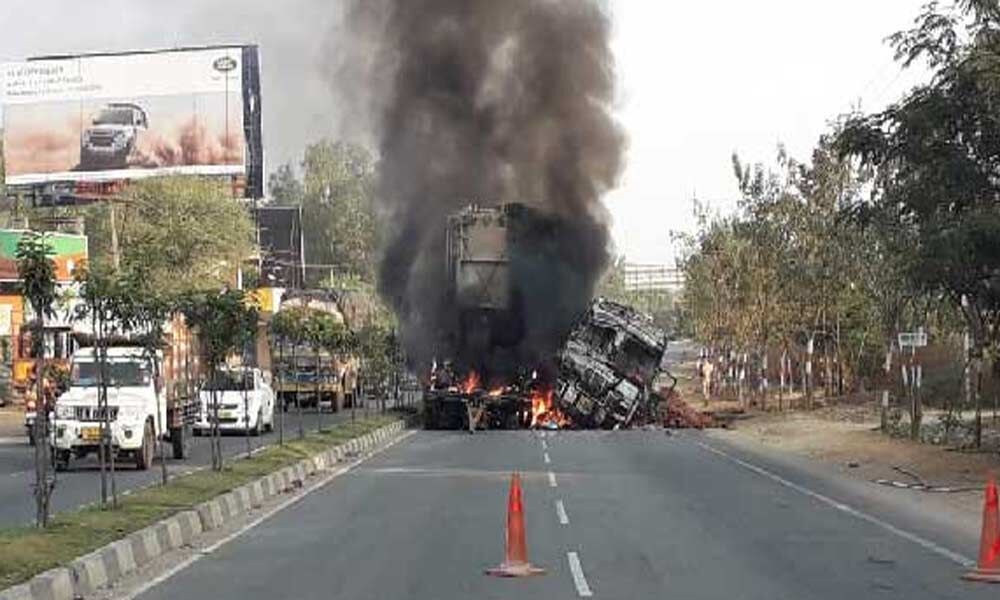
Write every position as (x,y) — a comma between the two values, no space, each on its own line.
(230,381)
(119,374)
(114,116)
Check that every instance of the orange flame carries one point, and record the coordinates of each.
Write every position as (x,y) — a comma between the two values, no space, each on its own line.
(471,383)
(543,412)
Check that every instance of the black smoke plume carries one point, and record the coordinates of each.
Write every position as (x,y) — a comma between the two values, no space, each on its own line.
(485,102)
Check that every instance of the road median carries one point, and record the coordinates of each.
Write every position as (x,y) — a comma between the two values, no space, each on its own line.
(92,548)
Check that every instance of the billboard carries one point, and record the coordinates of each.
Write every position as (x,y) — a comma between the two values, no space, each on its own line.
(104,117)
(68,251)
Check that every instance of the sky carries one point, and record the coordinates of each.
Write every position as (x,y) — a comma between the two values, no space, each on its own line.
(697,81)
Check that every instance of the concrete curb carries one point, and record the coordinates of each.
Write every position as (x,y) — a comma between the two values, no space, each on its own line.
(105,566)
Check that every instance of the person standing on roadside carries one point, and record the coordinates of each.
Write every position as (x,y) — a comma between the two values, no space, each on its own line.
(707,369)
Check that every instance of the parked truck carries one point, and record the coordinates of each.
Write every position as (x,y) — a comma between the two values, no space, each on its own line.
(308,377)
(150,397)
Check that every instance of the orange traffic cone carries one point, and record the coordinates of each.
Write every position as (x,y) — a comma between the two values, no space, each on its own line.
(515,562)
(988,569)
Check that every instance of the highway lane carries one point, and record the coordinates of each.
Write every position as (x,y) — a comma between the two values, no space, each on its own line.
(636,514)
(81,485)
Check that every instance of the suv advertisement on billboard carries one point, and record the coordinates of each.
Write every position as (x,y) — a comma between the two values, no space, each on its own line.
(104,117)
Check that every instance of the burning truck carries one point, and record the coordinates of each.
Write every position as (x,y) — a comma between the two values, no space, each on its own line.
(602,375)
(607,368)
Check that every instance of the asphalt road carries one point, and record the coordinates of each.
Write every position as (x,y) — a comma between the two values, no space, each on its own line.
(81,485)
(638,514)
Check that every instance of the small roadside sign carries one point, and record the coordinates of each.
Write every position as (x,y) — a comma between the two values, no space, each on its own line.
(913,339)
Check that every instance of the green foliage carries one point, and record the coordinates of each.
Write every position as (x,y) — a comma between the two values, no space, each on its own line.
(183,234)
(381,355)
(336,194)
(285,187)
(935,154)
(797,262)
(37,273)
(225,321)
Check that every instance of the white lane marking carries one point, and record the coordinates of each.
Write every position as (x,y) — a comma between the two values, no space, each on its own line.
(547,459)
(561,513)
(578,579)
(545,446)
(906,535)
(21,440)
(552,479)
(203,552)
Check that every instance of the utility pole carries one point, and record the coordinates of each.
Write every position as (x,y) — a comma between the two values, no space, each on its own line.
(115,254)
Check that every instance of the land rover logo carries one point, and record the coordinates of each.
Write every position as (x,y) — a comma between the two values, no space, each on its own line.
(224,64)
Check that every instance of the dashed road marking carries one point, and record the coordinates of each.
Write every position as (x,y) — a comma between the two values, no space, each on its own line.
(545,446)
(552,479)
(561,513)
(547,459)
(578,578)
(906,535)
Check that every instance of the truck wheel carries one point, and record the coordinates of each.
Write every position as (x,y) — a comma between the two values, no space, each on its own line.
(179,442)
(144,455)
(61,460)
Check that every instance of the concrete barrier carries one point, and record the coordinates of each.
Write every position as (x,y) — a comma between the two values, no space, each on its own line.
(55,584)
(211,515)
(168,533)
(256,491)
(105,566)
(118,559)
(145,546)
(89,574)
(242,493)
(191,526)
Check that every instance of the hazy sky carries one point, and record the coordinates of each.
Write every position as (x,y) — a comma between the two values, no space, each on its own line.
(699,80)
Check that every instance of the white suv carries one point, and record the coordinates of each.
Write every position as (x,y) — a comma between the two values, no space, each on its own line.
(246,401)
(137,411)
(112,136)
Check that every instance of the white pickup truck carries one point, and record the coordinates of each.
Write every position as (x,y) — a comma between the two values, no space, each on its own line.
(246,402)
(138,408)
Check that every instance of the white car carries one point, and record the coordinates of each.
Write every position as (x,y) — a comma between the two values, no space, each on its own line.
(246,401)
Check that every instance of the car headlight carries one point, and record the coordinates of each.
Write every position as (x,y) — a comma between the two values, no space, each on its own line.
(64,411)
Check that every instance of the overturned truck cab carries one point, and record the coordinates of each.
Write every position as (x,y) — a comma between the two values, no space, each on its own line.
(607,367)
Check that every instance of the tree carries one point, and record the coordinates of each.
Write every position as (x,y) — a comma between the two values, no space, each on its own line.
(100,291)
(288,325)
(936,153)
(183,233)
(226,322)
(144,309)
(285,187)
(322,331)
(336,194)
(37,274)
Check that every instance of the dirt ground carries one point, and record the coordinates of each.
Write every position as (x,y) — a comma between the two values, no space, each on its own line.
(848,438)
